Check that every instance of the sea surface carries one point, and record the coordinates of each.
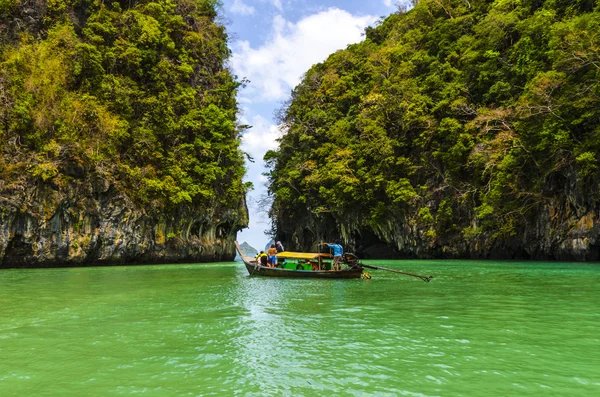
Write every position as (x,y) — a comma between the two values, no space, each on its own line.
(479,328)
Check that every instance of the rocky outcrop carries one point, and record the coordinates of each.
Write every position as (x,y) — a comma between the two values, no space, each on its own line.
(558,233)
(92,222)
(461,140)
(119,141)
(564,229)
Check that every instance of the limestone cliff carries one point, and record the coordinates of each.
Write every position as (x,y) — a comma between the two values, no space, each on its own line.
(119,140)
(456,129)
(92,223)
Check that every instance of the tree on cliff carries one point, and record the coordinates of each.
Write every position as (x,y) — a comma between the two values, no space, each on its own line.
(134,93)
(458,128)
(139,92)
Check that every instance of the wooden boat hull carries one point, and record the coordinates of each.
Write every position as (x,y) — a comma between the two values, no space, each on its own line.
(256,270)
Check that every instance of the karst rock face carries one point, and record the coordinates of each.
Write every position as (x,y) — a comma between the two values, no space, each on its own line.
(119,139)
(92,223)
(454,130)
(556,234)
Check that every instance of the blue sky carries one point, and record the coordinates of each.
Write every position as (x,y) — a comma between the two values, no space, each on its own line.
(273,43)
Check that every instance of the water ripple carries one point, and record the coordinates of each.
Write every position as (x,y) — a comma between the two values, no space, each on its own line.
(480,328)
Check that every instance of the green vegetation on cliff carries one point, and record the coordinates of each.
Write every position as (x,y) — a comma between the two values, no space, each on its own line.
(134,92)
(118,134)
(458,128)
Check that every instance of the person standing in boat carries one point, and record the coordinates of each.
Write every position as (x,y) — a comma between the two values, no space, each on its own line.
(279,247)
(272,258)
(338,252)
(261,259)
(280,261)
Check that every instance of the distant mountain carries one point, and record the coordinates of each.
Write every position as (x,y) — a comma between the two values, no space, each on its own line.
(247,249)
(268,245)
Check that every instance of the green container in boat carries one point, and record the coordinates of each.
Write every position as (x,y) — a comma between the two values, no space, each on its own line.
(298,266)
(303,266)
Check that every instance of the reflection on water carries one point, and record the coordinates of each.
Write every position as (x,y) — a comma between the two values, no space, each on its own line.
(479,328)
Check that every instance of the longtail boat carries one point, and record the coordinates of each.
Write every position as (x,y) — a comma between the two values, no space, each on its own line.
(315,265)
(301,265)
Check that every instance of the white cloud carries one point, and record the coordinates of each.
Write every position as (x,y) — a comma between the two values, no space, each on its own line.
(244,100)
(256,141)
(260,138)
(277,4)
(388,3)
(278,65)
(239,7)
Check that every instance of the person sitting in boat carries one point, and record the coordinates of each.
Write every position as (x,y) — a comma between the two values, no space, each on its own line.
(279,247)
(338,252)
(261,259)
(272,258)
(280,262)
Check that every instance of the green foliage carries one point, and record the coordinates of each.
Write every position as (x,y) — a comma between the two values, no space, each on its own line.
(587,164)
(479,111)
(7,6)
(138,92)
(425,215)
(44,171)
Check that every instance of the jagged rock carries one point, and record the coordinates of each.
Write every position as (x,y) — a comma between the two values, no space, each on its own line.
(89,223)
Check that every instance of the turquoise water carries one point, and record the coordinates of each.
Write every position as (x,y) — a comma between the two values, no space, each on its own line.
(478,329)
